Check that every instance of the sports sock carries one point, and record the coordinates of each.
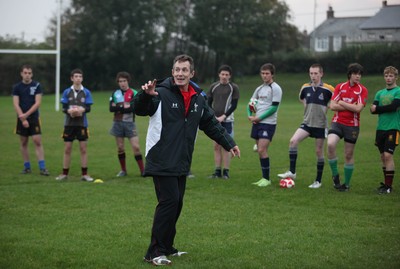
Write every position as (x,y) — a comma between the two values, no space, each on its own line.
(389,175)
(27,165)
(320,169)
(84,171)
(139,160)
(217,171)
(333,165)
(348,172)
(65,171)
(122,160)
(42,165)
(293,159)
(265,167)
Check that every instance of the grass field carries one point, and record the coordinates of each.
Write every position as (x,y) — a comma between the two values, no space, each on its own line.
(224,224)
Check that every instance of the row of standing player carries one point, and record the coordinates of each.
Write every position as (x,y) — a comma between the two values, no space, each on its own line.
(76,102)
(347,102)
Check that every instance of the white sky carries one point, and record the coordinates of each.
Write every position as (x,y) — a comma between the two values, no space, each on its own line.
(29,19)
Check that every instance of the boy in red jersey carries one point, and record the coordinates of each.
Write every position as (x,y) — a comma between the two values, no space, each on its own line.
(348,100)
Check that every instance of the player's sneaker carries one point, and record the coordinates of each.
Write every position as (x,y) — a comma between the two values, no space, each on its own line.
(315,185)
(190,175)
(258,182)
(122,174)
(384,189)
(215,175)
(86,178)
(44,172)
(343,188)
(264,182)
(177,253)
(225,175)
(287,174)
(26,171)
(336,182)
(161,260)
(62,177)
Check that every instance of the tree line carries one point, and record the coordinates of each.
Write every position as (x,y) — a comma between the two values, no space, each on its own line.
(142,37)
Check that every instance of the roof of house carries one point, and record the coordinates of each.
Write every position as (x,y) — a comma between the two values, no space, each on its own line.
(387,17)
(338,26)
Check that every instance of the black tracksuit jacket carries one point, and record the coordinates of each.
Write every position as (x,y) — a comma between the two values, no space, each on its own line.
(171,134)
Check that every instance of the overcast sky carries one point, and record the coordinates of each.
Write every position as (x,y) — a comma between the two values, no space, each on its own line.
(29,19)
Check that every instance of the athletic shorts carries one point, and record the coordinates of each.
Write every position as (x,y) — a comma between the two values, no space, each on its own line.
(75,132)
(314,131)
(33,129)
(228,127)
(349,133)
(123,129)
(263,131)
(386,141)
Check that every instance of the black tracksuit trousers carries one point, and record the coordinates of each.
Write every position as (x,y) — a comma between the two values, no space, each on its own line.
(169,192)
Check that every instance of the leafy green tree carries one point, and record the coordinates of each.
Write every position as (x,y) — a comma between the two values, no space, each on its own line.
(104,37)
(240,31)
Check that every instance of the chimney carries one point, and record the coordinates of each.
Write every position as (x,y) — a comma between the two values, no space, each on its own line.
(329,13)
(384,3)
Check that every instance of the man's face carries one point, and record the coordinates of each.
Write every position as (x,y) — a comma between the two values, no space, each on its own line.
(355,78)
(182,74)
(315,75)
(26,75)
(390,79)
(224,77)
(123,84)
(266,76)
(77,79)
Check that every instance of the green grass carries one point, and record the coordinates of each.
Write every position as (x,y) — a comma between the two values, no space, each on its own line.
(224,224)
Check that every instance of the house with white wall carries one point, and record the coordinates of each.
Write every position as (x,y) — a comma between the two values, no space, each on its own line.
(336,33)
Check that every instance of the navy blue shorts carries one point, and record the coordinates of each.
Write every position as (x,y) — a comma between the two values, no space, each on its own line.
(228,127)
(263,131)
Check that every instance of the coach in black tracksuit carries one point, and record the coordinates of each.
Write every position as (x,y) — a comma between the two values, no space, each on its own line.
(177,108)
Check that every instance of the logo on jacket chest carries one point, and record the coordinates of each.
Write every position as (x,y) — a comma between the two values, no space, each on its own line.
(174,105)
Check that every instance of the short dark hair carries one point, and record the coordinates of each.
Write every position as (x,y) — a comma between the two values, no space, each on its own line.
(76,71)
(125,75)
(225,67)
(184,58)
(268,66)
(354,68)
(26,66)
(317,66)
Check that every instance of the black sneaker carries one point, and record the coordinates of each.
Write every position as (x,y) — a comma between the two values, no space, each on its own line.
(384,189)
(26,171)
(44,172)
(216,175)
(343,188)
(225,174)
(176,253)
(336,182)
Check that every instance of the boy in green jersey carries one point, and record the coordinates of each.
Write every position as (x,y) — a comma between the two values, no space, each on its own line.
(387,105)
